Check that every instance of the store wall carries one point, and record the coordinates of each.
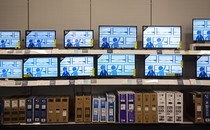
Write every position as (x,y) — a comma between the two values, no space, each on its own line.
(75,14)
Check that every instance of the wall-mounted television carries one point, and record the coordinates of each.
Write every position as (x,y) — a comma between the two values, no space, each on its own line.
(201,30)
(40,67)
(203,67)
(10,39)
(168,37)
(40,39)
(117,36)
(116,65)
(11,68)
(163,65)
(78,38)
(76,66)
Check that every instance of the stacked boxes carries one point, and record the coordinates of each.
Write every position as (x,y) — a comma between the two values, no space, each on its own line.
(7,111)
(40,110)
(111,108)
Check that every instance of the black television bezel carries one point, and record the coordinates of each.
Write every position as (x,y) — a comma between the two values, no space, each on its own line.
(195,41)
(19,38)
(164,48)
(39,47)
(76,77)
(115,76)
(163,77)
(126,48)
(40,78)
(80,46)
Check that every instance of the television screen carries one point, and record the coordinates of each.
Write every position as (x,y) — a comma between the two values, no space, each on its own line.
(201,30)
(40,39)
(203,67)
(78,38)
(161,36)
(41,67)
(163,65)
(77,66)
(117,36)
(10,68)
(116,65)
(9,39)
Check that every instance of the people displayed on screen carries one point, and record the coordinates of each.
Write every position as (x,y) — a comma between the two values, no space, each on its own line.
(202,73)
(3,43)
(151,71)
(115,43)
(77,42)
(4,72)
(69,43)
(75,71)
(114,70)
(159,43)
(39,43)
(29,73)
(199,36)
(105,44)
(208,35)
(31,44)
(38,72)
(149,43)
(65,72)
(103,71)
(161,70)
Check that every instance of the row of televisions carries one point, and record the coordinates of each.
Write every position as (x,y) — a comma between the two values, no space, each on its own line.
(109,37)
(106,65)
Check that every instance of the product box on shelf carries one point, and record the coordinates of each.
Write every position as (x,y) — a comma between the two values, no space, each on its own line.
(153,103)
(79,106)
(103,109)
(130,107)
(122,106)
(29,109)
(178,107)
(62,109)
(51,118)
(161,106)
(111,108)
(7,111)
(37,110)
(87,108)
(146,107)
(43,107)
(96,108)
(138,107)
(206,106)
(14,110)
(170,107)
(198,107)
(22,110)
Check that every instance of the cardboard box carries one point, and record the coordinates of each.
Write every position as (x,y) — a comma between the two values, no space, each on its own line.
(198,107)
(58,113)
(96,108)
(43,107)
(146,107)
(7,111)
(111,108)
(51,110)
(87,108)
(29,109)
(138,107)
(22,110)
(37,110)
(122,106)
(64,109)
(178,107)
(79,102)
(153,103)
(170,107)
(103,109)
(206,107)
(161,106)
(130,107)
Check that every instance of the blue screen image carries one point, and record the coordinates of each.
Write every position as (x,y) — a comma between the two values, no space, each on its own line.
(163,65)
(117,36)
(78,38)
(161,37)
(76,66)
(201,30)
(116,65)
(203,67)
(41,67)
(11,68)
(40,39)
(9,39)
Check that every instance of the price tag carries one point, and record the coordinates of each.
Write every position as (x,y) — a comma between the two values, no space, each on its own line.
(24,83)
(159,52)
(139,81)
(109,51)
(85,51)
(27,51)
(71,82)
(180,82)
(177,51)
(17,83)
(19,51)
(52,82)
(93,81)
(10,51)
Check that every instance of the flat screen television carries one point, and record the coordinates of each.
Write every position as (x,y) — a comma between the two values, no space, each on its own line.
(161,37)
(163,65)
(116,65)
(203,67)
(11,68)
(10,39)
(78,38)
(77,66)
(201,30)
(117,36)
(41,67)
(40,39)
